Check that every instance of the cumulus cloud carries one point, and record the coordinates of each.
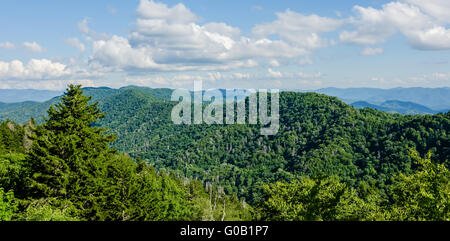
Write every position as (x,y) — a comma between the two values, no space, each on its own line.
(298,29)
(177,14)
(170,38)
(118,52)
(34,69)
(424,30)
(438,9)
(371,51)
(7,45)
(33,46)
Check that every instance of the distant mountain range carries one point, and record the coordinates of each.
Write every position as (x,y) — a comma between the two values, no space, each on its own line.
(15,96)
(436,99)
(403,107)
(20,105)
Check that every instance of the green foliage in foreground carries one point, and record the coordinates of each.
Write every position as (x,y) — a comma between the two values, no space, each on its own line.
(71,173)
(424,195)
(8,206)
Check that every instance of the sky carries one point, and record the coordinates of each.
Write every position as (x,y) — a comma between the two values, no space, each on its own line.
(282,44)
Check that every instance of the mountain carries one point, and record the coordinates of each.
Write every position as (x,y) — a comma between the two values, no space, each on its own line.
(16,95)
(324,149)
(319,135)
(22,112)
(433,98)
(403,107)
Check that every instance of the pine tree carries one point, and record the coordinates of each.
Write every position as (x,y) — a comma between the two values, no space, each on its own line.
(69,150)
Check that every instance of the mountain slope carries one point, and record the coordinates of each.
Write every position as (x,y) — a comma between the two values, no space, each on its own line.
(318,135)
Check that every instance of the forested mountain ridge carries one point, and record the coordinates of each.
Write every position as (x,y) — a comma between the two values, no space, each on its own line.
(333,161)
(318,135)
(401,100)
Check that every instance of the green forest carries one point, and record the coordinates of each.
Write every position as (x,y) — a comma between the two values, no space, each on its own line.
(99,154)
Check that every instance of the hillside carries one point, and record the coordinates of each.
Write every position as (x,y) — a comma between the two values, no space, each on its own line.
(400,100)
(319,135)
(321,139)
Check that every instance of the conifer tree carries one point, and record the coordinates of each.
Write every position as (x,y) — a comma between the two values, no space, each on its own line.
(68,150)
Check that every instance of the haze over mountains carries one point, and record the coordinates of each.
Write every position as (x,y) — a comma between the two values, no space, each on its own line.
(20,105)
(19,95)
(436,99)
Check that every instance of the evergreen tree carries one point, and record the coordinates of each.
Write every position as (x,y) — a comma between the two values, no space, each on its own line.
(68,154)
(8,206)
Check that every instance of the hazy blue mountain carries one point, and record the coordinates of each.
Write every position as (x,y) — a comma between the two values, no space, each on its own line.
(403,107)
(15,96)
(23,111)
(13,106)
(359,97)
(433,98)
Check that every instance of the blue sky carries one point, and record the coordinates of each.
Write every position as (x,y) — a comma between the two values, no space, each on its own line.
(228,44)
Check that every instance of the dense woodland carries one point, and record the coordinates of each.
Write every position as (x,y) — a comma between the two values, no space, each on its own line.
(123,159)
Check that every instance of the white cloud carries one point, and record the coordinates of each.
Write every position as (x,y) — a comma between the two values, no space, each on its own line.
(177,14)
(7,45)
(439,9)
(117,52)
(436,38)
(75,42)
(298,29)
(34,69)
(371,51)
(33,46)
(423,31)
(170,39)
